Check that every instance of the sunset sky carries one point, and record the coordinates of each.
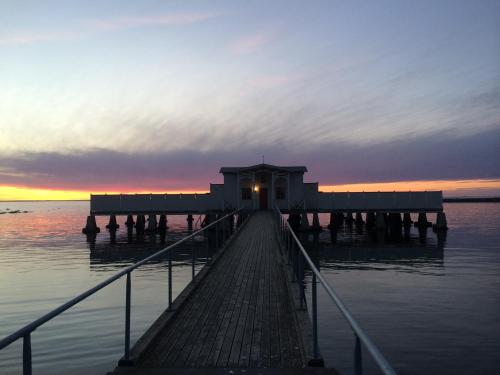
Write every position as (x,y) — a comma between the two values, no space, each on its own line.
(155,96)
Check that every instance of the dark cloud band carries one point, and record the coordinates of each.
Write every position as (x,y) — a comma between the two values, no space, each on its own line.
(438,156)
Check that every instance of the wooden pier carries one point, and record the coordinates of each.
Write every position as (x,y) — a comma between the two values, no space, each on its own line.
(240,313)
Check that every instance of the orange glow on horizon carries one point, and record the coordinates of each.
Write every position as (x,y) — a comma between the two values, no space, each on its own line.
(15,193)
(450,188)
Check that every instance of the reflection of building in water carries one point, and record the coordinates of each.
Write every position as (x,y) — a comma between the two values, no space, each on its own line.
(363,257)
(128,253)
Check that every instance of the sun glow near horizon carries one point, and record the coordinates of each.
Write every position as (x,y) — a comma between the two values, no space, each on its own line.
(450,188)
(15,193)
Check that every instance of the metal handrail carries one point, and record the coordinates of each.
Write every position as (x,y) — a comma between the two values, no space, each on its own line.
(360,334)
(25,332)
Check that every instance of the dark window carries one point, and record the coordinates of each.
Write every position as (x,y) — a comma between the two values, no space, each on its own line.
(280,192)
(246,194)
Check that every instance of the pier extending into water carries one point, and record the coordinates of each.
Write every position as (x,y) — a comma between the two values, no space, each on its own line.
(240,315)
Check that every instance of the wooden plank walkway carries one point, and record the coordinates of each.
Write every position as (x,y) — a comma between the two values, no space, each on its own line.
(240,316)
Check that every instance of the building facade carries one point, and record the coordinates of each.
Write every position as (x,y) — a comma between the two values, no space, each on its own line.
(265,186)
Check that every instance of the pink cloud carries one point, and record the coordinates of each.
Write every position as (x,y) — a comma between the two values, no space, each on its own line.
(249,43)
(127,22)
(102,25)
(34,37)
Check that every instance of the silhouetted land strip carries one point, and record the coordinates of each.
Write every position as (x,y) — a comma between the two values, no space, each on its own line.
(472,200)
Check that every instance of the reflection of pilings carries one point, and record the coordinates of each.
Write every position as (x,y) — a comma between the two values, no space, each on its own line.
(441,223)
(130,223)
(315,224)
(91,227)
(112,225)
(339,219)
(162,224)
(422,221)
(91,237)
(380,221)
(407,220)
(395,225)
(359,219)
(333,235)
(331,226)
(140,224)
(349,221)
(190,221)
(304,221)
(441,237)
(370,220)
(407,224)
(151,223)
(422,234)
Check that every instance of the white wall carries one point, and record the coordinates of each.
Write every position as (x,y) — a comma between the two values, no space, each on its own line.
(155,203)
(381,201)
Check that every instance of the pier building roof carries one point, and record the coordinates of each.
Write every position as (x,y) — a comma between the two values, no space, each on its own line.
(290,169)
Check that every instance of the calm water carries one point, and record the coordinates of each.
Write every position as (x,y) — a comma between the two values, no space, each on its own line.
(429,309)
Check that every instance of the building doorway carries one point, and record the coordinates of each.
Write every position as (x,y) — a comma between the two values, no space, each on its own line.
(263,199)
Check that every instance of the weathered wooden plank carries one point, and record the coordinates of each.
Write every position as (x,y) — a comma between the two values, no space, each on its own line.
(225,349)
(245,319)
(217,295)
(214,314)
(223,313)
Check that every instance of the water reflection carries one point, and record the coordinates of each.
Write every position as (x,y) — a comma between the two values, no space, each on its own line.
(126,248)
(415,250)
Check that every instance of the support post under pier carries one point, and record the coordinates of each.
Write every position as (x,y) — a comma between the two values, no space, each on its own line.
(140,224)
(130,223)
(441,223)
(112,225)
(91,227)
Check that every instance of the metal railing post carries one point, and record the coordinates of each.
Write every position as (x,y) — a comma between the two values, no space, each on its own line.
(315,317)
(301,280)
(27,366)
(207,237)
(358,361)
(169,280)
(193,258)
(127,317)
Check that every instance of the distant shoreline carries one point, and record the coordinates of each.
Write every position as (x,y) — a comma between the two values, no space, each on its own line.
(445,200)
(472,200)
